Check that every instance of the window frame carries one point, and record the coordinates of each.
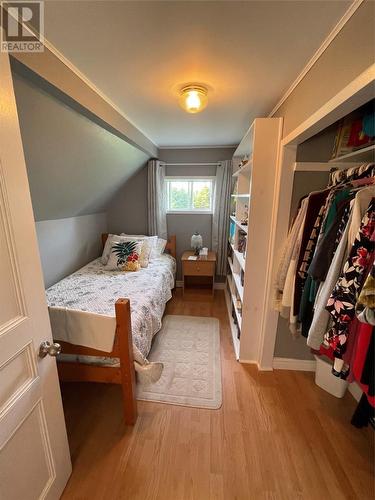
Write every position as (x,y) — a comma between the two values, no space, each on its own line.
(190,178)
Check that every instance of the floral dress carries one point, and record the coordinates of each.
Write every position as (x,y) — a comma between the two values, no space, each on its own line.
(341,303)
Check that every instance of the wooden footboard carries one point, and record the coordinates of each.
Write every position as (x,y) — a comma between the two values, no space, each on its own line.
(122,349)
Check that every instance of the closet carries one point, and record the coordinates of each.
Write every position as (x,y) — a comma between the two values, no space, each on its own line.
(324,283)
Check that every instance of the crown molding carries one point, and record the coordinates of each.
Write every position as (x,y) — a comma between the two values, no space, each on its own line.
(230,146)
(326,43)
(93,87)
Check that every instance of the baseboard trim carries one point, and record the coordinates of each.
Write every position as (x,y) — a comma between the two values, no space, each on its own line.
(355,391)
(305,365)
(217,286)
(248,362)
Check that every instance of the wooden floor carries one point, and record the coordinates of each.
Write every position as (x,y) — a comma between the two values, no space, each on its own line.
(277,436)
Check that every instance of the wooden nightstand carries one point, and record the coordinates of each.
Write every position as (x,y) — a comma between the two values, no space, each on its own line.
(203,266)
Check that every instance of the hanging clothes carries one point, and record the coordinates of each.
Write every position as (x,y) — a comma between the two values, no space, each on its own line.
(316,201)
(325,251)
(320,273)
(363,413)
(341,303)
(334,202)
(365,307)
(320,320)
(353,173)
(288,252)
(362,362)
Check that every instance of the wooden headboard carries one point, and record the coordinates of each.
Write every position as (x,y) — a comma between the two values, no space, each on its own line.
(170,247)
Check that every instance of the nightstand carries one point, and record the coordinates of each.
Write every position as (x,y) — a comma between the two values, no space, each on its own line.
(203,266)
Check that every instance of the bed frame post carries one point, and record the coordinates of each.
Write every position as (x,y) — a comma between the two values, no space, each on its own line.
(124,332)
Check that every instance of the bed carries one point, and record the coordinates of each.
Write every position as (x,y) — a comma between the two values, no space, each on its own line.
(106,320)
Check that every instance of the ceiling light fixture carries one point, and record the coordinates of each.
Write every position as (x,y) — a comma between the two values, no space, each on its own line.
(193,98)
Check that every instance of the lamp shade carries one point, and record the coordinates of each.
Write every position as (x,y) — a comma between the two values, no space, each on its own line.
(196,241)
(193,98)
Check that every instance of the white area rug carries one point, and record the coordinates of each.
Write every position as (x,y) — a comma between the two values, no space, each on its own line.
(189,348)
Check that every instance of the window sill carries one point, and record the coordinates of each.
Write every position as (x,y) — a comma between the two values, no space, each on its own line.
(189,212)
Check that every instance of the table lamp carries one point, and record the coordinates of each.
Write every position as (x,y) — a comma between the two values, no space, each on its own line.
(196,242)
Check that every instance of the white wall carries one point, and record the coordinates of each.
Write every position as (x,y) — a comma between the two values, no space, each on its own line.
(348,55)
(65,245)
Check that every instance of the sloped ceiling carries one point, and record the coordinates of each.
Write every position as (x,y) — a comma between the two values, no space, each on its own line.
(139,53)
(75,167)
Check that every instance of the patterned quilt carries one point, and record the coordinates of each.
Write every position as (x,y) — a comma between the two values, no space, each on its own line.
(91,292)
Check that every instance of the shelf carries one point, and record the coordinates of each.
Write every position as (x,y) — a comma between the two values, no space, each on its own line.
(308,166)
(233,328)
(245,169)
(238,316)
(237,282)
(364,154)
(230,265)
(238,224)
(240,258)
(245,147)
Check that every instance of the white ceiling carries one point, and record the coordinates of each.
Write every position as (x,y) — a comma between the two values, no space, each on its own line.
(138,53)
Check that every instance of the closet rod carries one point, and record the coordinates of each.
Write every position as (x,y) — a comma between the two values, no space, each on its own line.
(190,164)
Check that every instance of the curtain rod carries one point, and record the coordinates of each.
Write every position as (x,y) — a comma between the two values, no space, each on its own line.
(190,164)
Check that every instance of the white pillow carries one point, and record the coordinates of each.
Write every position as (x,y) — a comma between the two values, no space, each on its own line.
(158,248)
(115,263)
(153,243)
(107,249)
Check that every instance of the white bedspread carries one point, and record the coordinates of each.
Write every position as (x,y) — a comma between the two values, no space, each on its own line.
(82,305)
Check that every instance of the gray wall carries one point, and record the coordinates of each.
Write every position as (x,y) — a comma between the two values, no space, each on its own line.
(75,168)
(319,147)
(65,245)
(183,226)
(128,211)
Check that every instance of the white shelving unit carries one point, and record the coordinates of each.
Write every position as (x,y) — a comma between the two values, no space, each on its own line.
(238,223)
(252,198)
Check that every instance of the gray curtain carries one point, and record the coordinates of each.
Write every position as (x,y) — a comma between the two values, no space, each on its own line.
(220,220)
(157,217)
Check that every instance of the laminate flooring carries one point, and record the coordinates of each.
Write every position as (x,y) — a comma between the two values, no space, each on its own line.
(276,436)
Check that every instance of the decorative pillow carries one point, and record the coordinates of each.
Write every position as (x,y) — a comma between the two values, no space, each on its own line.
(124,256)
(153,240)
(146,247)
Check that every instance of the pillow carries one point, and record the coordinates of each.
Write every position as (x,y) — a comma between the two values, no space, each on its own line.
(158,248)
(107,248)
(146,247)
(145,253)
(124,256)
(153,243)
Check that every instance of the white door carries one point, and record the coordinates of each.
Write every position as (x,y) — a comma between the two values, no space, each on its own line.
(34,453)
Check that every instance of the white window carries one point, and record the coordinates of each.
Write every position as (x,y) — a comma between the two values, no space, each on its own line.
(190,194)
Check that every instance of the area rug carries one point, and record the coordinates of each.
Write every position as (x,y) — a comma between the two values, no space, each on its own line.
(189,348)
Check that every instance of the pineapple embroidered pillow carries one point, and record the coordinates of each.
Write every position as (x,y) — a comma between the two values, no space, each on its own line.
(124,256)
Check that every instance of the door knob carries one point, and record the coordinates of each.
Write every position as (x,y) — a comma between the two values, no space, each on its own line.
(47,348)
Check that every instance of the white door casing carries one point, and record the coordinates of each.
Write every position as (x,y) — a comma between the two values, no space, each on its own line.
(34,453)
